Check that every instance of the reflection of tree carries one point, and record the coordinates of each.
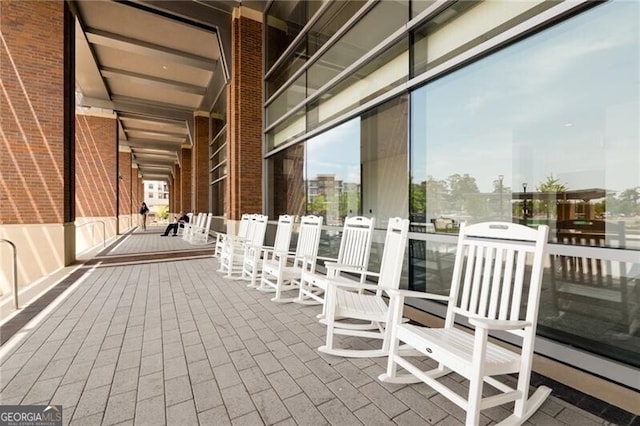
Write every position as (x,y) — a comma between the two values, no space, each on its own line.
(349,202)
(550,186)
(417,199)
(629,201)
(437,195)
(459,194)
(318,205)
(465,195)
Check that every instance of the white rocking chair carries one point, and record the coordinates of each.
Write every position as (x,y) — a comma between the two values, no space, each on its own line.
(353,257)
(497,263)
(242,233)
(342,302)
(181,229)
(278,275)
(231,261)
(200,234)
(255,255)
(189,228)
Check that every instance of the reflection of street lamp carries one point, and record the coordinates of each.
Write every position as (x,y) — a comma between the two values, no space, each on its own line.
(524,202)
(500,178)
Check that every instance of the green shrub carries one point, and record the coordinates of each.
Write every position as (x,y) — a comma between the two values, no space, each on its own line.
(163,212)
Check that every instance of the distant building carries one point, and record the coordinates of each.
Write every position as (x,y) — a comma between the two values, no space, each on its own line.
(156,193)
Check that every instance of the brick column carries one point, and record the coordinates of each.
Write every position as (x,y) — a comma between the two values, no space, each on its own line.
(125,191)
(185,182)
(139,197)
(201,163)
(176,189)
(244,149)
(96,179)
(37,163)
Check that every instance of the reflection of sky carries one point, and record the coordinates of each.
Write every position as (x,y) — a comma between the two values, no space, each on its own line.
(336,152)
(564,103)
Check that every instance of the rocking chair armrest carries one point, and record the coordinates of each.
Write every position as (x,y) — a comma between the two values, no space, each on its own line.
(259,247)
(415,294)
(282,253)
(355,285)
(492,324)
(347,268)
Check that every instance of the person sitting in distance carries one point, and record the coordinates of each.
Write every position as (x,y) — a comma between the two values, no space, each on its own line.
(174,226)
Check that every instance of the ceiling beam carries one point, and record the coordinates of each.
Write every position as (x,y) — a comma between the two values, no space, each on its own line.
(128,44)
(152,120)
(147,80)
(128,106)
(155,133)
(153,144)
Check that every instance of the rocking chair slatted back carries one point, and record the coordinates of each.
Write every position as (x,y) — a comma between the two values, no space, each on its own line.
(355,243)
(492,275)
(283,233)
(308,239)
(244,225)
(394,247)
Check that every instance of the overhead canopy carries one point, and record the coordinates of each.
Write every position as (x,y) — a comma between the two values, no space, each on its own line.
(154,64)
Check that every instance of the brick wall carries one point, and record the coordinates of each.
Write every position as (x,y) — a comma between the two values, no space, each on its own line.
(96,171)
(125,188)
(185,181)
(32,105)
(201,164)
(245,119)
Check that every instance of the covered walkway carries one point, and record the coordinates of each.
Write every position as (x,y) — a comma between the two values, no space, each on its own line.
(151,334)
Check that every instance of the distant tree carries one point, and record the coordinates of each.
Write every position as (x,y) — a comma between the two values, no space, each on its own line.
(162,212)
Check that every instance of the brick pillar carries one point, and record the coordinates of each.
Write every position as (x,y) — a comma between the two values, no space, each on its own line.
(200,163)
(37,160)
(185,182)
(176,189)
(125,191)
(244,179)
(140,198)
(96,179)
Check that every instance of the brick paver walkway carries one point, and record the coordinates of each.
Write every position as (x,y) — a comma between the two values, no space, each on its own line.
(172,342)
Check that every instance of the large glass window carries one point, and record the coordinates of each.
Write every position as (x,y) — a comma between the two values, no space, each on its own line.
(544,132)
(380,22)
(383,73)
(218,157)
(358,167)
(286,178)
(332,19)
(289,98)
(333,181)
(285,20)
(384,161)
(464,25)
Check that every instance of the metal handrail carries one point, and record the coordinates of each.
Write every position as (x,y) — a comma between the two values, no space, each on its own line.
(15,271)
(104,230)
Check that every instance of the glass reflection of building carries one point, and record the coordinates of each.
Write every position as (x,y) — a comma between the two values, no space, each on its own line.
(440,113)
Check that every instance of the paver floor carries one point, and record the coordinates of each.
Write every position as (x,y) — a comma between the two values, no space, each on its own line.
(170,341)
